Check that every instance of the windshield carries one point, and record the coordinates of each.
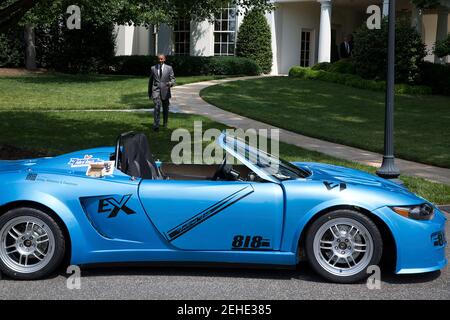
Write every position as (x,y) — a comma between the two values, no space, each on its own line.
(270,164)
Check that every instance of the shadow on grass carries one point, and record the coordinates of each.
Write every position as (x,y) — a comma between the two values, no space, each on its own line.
(55,78)
(138,100)
(54,133)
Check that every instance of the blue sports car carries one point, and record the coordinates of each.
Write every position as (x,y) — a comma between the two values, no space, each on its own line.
(117,205)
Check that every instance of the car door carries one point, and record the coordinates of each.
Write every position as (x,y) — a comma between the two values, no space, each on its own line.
(215,215)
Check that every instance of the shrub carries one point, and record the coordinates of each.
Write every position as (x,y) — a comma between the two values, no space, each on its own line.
(233,66)
(343,66)
(437,76)
(302,72)
(346,66)
(12,48)
(370,52)
(442,48)
(254,40)
(354,81)
(187,65)
(321,66)
(132,65)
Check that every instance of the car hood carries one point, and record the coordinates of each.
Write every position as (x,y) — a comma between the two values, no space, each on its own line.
(322,171)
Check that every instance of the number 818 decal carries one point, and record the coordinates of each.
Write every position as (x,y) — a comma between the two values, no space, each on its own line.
(241,242)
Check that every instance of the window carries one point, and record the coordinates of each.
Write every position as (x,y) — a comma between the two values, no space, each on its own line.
(182,34)
(225,32)
(270,165)
(305,48)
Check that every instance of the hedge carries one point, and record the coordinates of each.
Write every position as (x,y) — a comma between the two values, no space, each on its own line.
(186,65)
(12,49)
(346,66)
(321,66)
(354,81)
(437,76)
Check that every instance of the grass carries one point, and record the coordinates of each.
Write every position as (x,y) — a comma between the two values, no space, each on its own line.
(78,92)
(342,114)
(60,132)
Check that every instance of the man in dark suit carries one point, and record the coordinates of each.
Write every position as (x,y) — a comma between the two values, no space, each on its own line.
(346,48)
(161,80)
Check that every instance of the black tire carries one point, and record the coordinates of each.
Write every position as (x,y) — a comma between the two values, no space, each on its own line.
(59,245)
(354,215)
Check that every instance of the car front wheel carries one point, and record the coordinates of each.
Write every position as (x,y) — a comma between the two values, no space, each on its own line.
(342,244)
(32,244)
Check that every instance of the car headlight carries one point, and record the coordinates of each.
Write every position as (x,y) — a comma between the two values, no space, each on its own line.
(416,212)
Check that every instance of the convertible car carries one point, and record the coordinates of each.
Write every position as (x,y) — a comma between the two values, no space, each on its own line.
(117,205)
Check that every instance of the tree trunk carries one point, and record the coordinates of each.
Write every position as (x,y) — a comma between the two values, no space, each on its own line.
(30,48)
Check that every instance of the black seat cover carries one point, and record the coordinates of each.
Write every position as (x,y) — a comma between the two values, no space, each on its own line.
(137,160)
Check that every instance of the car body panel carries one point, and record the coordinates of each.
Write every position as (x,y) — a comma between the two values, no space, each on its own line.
(209,214)
(118,218)
(307,197)
(417,247)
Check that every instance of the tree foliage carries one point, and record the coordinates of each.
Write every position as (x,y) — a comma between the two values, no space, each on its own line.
(442,48)
(370,52)
(254,40)
(12,11)
(426,4)
(138,12)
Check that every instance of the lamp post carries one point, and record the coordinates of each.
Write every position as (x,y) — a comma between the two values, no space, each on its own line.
(388,168)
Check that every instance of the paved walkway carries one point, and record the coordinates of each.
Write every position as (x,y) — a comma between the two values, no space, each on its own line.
(186,99)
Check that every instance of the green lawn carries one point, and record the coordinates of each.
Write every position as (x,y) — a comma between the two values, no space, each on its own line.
(59,132)
(62,91)
(342,114)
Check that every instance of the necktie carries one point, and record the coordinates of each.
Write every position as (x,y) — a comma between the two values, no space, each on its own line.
(160,71)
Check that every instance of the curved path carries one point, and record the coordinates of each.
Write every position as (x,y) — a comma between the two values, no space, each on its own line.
(186,99)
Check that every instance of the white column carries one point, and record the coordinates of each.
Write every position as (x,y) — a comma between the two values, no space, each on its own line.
(271,20)
(202,38)
(156,35)
(325,31)
(385,8)
(442,27)
(124,40)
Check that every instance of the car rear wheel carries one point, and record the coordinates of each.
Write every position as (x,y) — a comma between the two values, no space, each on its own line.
(342,244)
(32,244)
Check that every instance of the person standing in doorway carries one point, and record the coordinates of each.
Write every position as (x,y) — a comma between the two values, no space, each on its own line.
(346,48)
(161,80)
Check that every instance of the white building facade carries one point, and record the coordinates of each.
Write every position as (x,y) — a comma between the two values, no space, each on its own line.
(304,32)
